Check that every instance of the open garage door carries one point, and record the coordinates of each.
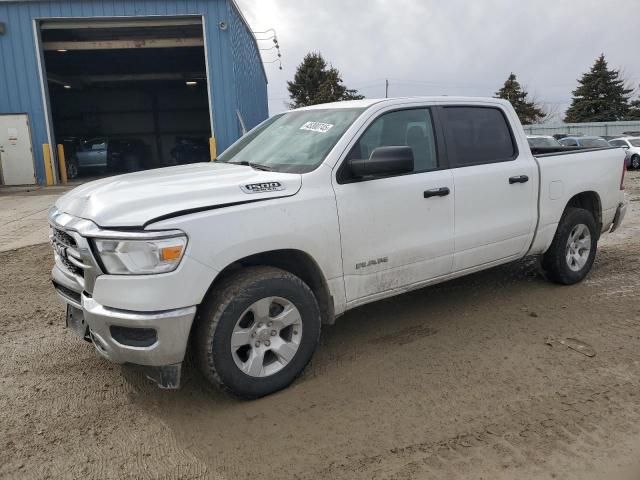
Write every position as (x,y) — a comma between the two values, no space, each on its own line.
(127,95)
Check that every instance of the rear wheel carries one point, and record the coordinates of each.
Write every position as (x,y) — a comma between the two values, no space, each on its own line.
(573,250)
(72,168)
(257,331)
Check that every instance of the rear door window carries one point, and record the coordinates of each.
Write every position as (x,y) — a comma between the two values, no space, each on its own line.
(478,135)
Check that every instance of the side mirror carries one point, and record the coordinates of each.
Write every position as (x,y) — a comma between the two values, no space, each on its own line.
(384,161)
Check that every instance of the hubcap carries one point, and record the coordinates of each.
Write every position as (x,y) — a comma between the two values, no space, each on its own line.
(635,162)
(578,247)
(266,337)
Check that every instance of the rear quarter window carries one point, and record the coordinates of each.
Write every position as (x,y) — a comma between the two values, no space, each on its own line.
(478,135)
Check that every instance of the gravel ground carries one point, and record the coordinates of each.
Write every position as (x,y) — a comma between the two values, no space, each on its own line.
(463,380)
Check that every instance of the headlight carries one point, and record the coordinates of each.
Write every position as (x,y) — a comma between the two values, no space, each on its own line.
(140,257)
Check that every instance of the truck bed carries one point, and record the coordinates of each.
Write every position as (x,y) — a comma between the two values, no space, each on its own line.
(564,174)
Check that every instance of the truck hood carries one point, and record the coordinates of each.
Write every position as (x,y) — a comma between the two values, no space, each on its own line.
(136,199)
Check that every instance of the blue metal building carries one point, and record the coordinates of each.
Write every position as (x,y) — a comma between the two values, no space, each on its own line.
(236,83)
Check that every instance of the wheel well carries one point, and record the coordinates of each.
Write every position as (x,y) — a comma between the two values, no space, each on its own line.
(296,262)
(590,201)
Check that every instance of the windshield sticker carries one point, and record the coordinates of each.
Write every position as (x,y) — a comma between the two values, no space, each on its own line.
(317,127)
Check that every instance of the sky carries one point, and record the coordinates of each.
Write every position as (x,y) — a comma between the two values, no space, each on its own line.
(452,47)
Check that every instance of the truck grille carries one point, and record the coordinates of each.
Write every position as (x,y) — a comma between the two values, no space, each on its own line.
(64,238)
(66,252)
(72,249)
(67,292)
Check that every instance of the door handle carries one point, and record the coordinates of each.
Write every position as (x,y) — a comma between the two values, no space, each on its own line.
(437,192)
(518,179)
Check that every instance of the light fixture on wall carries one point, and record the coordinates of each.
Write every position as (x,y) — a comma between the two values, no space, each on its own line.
(67,87)
(191,83)
(62,50)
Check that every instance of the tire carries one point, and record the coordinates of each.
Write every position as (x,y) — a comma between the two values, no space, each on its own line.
(635,162)
(567,261)
(232,309)
(72,168)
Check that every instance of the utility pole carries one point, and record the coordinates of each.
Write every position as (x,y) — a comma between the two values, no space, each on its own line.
(386,89)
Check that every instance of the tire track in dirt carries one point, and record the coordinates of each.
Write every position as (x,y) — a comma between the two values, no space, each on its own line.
(65,412)
(529,435)
(453,381)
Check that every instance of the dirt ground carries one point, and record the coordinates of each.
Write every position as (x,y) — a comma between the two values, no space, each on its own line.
(462,380)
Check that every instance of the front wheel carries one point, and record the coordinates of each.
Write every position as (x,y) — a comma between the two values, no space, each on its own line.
(635,162)
(257,331)
(573,250)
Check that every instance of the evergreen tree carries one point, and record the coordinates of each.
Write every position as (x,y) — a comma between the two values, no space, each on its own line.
(528,112)
(634,110)
(317,82)
(600,97)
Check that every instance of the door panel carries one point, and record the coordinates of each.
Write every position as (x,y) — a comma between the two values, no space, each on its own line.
(496,194)
(396,231)
(494,218)
(391,235)
(16,155)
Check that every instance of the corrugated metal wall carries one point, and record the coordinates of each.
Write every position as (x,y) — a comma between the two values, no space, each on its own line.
(595,128)
(251,93)
(237,80)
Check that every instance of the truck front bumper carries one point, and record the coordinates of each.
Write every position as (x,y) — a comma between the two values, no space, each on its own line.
(157,340)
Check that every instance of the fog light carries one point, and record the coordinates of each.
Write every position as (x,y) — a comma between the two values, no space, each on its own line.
(134,337)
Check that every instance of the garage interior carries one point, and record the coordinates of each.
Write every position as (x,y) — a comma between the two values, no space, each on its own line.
(127,95)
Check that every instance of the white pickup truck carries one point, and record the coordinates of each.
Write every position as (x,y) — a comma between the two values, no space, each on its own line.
(315,212)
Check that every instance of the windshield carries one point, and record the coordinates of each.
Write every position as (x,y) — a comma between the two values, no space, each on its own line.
(594,142)
(635,142)
(294,142)
(542,142)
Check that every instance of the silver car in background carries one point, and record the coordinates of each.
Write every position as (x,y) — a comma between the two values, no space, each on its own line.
(632,146)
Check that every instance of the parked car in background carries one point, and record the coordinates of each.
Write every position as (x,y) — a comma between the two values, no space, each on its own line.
(190,150)
(71,146)
(542,141)
(632,146)
(584,142)
(559,136)
(627,160)
(118,154)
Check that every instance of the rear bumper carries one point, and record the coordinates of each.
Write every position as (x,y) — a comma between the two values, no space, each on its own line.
(621,211)
(165,347)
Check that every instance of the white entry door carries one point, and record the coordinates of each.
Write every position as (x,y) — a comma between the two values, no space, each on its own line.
(16,154)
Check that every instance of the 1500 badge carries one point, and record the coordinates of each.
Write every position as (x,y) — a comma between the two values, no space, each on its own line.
(262,187)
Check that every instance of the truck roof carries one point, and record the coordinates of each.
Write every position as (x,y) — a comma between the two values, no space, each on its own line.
(368,102)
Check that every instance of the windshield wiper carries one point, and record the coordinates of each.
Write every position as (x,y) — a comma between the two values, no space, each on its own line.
(256,166)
